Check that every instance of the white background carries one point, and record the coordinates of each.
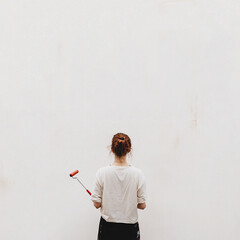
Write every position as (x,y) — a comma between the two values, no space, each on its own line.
(73,73)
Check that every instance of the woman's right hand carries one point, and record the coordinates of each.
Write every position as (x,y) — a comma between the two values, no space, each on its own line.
(141,205)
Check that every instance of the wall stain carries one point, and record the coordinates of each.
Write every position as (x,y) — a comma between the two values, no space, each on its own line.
(177,142)
(194,112)
(3,181)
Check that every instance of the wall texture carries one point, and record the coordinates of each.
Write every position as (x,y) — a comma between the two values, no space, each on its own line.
(73,73)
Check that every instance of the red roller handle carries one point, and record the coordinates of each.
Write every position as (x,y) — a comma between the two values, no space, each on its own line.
(74,173)
(89,192)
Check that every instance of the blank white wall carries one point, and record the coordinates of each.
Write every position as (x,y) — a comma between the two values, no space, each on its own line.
(74,73)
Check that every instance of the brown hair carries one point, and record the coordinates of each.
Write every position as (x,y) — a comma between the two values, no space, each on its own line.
(121,144)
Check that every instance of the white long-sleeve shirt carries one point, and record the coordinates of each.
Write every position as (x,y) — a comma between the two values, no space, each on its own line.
(119,189)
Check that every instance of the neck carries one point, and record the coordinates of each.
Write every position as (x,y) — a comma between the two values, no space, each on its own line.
(120,161)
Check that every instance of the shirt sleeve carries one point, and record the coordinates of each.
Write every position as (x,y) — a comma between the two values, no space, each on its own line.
(141,192)
(97,191)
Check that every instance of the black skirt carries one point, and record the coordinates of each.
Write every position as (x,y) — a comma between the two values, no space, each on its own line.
(118,231)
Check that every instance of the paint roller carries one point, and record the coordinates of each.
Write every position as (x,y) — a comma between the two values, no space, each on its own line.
(73,174)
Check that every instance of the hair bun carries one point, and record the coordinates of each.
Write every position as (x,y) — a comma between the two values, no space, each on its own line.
(121,144)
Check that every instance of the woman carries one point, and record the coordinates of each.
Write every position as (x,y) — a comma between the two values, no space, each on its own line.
(119,190)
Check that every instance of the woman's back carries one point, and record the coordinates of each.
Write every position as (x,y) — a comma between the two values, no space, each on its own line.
(119,189)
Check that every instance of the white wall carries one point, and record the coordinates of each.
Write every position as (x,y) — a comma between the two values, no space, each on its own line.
(74,73)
